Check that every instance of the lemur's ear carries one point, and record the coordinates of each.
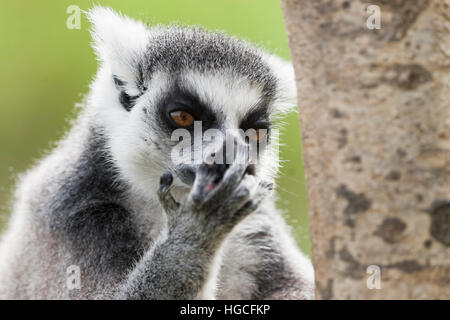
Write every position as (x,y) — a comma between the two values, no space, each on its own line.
(119,42)
(286,96)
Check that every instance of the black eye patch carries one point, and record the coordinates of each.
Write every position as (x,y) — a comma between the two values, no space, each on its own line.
(258,118)
(125,99)
(183,100)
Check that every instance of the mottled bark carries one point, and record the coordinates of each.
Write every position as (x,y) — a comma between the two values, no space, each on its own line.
(375,119)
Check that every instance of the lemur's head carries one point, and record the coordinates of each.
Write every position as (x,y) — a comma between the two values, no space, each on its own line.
(155,80)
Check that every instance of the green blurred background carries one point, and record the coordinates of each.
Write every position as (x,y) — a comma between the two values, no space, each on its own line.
(45,69)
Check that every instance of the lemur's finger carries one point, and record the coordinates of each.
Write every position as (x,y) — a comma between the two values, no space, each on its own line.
(225,187)
(265,187)
(248,208)
(165,197)
(240,196)
(205,175)
(262,190)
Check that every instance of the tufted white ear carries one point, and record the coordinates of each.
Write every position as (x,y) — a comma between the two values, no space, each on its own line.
(286,98)
(119,41)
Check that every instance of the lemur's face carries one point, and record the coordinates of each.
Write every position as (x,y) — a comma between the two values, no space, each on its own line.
(173,98)
(204,117)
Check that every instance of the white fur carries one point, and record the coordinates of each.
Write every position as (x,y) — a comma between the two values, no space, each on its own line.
(286,98)
(119,42)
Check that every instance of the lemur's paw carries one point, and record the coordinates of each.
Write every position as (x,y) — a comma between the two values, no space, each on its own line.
(219,199)
(223,199)
(165,197)
(213,184)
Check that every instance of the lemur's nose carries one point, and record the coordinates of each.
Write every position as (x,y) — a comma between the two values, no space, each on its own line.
(228,155)
(218,160)
(220,168)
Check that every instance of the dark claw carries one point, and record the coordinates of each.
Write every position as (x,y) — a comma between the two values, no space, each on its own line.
(251,170)
(166,180)
(197,198)
(167,201)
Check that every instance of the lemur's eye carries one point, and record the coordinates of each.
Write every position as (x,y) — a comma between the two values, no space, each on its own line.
(182,118)
(256,134)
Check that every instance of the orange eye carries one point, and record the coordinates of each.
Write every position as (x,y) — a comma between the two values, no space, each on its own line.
(256,134)
(182,118)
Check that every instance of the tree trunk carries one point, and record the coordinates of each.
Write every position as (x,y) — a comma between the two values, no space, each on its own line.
(375,119)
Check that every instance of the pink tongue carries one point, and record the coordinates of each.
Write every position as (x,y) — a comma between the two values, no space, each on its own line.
(211,186)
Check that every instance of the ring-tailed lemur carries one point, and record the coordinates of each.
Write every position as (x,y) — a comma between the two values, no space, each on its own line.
(110,201)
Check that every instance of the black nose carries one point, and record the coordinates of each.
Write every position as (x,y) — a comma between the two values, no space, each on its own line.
(229,153)
(220,168)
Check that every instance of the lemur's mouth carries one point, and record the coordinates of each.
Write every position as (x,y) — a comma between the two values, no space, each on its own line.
(211,186)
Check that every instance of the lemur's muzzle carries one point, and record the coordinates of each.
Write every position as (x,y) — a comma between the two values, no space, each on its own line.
(218,159)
